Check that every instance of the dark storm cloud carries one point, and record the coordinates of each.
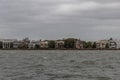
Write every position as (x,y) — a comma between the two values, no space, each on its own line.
(51,19)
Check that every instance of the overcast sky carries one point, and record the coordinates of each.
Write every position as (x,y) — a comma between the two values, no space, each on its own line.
(56,19)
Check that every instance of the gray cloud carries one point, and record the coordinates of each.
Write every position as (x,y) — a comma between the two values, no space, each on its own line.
(54,19)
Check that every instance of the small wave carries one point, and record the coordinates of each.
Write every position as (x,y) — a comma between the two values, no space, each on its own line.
(89,62)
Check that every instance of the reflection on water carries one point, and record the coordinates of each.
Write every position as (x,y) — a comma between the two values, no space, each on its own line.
(59,65)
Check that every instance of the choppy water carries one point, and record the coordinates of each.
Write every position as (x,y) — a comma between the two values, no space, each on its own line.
(59,65)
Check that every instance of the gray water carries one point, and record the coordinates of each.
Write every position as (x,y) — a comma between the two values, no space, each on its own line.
(59,65)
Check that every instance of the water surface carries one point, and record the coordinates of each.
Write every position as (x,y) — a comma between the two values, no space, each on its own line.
(59,65)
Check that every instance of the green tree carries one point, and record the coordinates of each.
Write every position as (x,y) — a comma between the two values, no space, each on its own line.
(23,46)
(0,44)
(11,45)
(111,39)
(84,44)
(37,46)
(87,44)
(70,43)
(107,45)
(94,45)
(51,44)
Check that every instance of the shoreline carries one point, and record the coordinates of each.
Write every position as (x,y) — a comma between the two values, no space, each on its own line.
(59,49)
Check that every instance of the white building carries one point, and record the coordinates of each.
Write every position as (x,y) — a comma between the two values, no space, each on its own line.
(44,44)
(32,44)
(118,44)
(112,43)
(7,43)
(16,44)
(59,44)
(101,44)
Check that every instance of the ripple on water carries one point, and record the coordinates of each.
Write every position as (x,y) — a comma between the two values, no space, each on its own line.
(77,76)
(87,63)
(59,65)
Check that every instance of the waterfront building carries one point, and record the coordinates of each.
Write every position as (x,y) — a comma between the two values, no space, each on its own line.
(33,44)
(7,43)
(59,44)
(44,44)
(118,44)
(16,44)
(112,43)
(101,44)
(24,43)
(78,44)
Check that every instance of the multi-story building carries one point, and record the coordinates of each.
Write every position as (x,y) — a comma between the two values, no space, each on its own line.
(59,44)
(7,43)
(16,44)
(112,43)
(33,44)
(101,44)
(44,44)
(24,43)
(118,44)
